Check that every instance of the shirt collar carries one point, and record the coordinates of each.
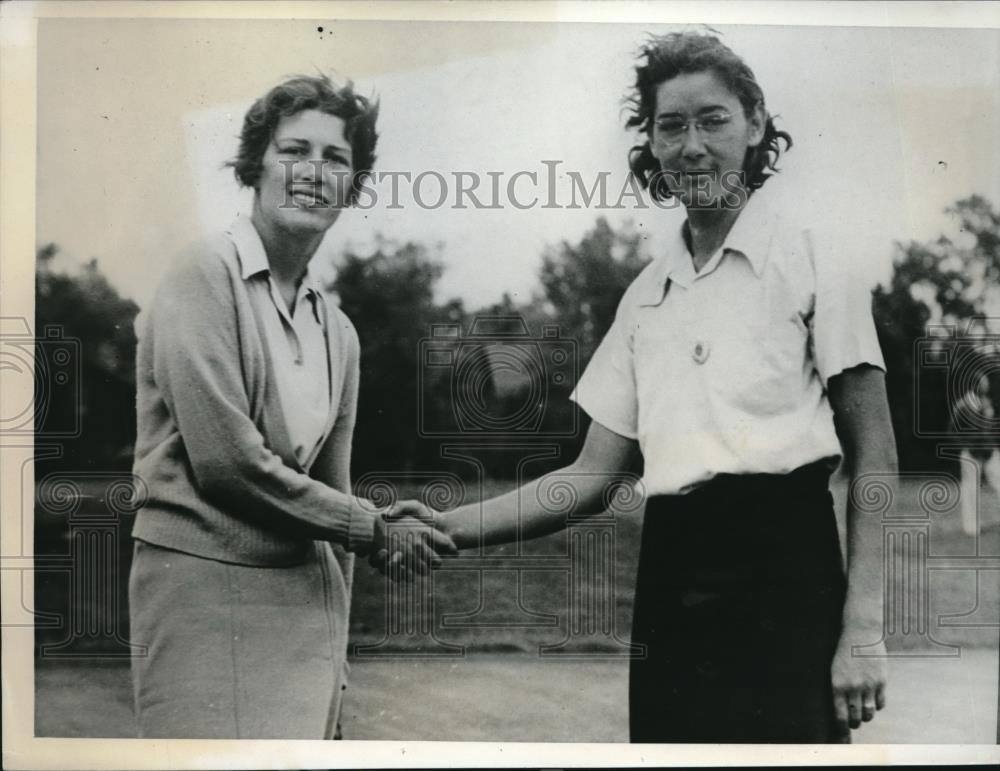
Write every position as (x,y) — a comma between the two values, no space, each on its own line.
(752,231)
(253,258)
(663,269)
(750,236)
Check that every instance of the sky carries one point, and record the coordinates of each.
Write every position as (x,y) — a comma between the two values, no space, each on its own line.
(137,116)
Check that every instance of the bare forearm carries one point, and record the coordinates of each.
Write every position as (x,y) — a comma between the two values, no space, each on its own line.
(865,429)
(865,544)
(542,506)
(537,508)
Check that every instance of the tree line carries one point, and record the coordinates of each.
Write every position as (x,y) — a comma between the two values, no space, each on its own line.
(420,381)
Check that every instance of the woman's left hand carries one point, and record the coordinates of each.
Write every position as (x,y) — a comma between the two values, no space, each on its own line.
(858,680)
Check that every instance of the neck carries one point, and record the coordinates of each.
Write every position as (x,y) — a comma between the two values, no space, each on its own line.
(707,230)
(288,253)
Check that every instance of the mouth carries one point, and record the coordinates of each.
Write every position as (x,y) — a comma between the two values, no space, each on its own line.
(309,197)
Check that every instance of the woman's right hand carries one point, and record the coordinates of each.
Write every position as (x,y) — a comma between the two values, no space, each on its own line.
(407,542)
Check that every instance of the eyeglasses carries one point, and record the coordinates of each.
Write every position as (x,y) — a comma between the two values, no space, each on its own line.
(673,130)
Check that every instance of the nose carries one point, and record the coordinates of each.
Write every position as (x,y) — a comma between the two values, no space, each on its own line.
(692,145)
(309,169)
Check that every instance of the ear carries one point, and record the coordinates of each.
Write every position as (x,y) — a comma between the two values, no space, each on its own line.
(756,121)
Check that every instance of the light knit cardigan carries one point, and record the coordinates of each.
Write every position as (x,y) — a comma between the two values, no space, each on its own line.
(212,450)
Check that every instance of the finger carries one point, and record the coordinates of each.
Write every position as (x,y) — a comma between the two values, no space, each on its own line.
(394,567)
(421,558)
(425,551)
(404,572)
(441,543)
(416,555)
(868,705)
(430,557)
(880,696)
(397,536)
(854,707)
(377,559)
(397,511)
(840,711)
(418,558)
(414,509)
(434,539)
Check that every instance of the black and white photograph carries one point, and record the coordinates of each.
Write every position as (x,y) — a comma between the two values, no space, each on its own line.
(477,384)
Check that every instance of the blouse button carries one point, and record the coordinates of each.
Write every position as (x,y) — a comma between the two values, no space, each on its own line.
(700,352)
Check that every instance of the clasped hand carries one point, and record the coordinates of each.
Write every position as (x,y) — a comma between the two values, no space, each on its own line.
(407,543)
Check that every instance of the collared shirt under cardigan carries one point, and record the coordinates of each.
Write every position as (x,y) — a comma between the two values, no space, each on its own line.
(297,342)
(724,370)
(216,458)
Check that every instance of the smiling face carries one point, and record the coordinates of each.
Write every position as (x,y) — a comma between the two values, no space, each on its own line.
(700,136)
(305,173)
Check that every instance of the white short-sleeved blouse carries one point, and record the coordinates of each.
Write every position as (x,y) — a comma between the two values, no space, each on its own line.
(724,370)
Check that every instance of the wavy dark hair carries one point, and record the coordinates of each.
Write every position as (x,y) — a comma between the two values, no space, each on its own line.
(306,92)
(665,57)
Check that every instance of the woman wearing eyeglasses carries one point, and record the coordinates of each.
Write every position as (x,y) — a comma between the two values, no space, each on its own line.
(743,365)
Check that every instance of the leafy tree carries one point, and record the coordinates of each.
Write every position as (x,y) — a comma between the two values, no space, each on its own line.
(581,285)
(85,309)
(389,296)
(584,282)
(950,281)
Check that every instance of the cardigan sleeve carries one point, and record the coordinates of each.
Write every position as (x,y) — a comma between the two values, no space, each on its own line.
(198,368)
(334,460)
(335,457)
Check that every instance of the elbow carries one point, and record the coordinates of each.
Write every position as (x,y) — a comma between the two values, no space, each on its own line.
(879,459)
(229,477)
(215,478)
(593,489)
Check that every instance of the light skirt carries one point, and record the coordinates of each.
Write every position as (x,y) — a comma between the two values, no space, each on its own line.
(235,651)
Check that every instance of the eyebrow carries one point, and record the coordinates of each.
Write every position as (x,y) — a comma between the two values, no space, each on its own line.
(301,141)
(702,111)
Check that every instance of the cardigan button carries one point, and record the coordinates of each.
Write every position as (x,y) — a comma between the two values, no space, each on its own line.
(700,352)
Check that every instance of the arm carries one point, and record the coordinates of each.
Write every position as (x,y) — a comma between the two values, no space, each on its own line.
(861,414)
(196,343)
(520,514)
(333,463)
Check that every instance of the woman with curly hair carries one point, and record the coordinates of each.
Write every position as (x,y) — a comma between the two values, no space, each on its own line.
(743,365)
(247,386)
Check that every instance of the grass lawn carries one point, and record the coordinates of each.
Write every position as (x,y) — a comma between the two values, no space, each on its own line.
(517,697)
(500,689)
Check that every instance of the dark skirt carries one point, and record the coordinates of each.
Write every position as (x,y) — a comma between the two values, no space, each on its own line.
(738,601)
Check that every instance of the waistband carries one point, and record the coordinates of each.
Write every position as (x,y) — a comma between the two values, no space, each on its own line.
(741,531)
(812,477)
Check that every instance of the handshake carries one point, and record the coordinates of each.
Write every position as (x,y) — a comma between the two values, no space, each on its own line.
(409,541)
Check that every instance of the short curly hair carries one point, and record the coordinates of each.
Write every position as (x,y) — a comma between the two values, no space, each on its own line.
(305,92)
(678,53)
